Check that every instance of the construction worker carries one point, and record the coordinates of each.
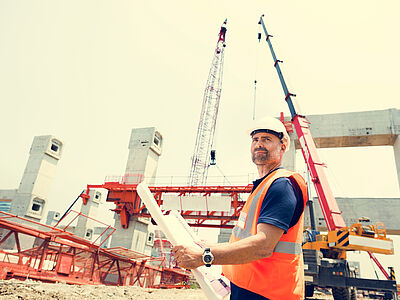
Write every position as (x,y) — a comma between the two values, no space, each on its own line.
(263,259)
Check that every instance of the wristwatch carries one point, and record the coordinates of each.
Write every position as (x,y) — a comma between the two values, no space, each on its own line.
(208,258)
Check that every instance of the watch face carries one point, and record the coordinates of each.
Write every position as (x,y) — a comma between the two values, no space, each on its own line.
(207,259)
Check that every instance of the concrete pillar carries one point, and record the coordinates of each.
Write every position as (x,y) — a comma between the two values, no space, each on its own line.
(6,197)
(289,158)
(31,197)
(224,235)
(145,147)
(104,235)
(52,218)
(135,237)
(85,227)
(396,149)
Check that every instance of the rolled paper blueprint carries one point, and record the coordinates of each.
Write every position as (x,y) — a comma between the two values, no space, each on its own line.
(178,232)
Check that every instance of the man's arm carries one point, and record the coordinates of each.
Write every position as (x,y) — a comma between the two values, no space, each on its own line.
(244,251)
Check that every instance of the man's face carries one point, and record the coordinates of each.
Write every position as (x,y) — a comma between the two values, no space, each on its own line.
(266,148)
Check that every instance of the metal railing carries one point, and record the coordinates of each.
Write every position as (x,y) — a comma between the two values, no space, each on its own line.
(182,180)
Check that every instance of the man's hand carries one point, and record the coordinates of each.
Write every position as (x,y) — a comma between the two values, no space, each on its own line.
(188,257)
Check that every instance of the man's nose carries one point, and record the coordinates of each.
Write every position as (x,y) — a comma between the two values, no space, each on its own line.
(259,144)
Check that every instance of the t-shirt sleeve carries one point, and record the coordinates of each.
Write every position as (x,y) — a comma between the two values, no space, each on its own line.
(279,204)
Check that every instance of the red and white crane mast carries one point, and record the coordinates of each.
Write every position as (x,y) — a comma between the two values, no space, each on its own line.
(208,116)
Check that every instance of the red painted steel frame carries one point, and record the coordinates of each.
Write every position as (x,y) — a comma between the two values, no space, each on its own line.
(129,204)
(50,254)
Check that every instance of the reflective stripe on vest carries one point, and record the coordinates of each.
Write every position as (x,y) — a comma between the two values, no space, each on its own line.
(288,247)
(244,233)
(240,233)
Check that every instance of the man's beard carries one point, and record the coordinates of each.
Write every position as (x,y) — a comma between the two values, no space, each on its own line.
(259,157)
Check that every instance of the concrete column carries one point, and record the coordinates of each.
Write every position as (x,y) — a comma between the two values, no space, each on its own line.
(224,235)
(396,149)
(105,235)
(85,227)
(145,147)
(135,237)
(31,197)
(6,197)
(53,217)
(289,158)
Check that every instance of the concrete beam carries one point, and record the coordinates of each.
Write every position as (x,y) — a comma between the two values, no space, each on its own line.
(384,210)
(360,129)
(355,129)
(396,149)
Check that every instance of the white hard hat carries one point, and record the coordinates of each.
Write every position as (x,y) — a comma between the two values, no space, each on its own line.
(271,125)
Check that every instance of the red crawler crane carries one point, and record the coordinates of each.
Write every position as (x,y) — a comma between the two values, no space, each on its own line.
(208,116)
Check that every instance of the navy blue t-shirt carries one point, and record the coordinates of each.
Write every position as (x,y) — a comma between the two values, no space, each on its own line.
(281,207)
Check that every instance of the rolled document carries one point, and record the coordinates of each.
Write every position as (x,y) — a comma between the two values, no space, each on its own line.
(178,232)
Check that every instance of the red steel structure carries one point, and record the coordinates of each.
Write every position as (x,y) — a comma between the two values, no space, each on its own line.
(32,250)
(208,116)
(128,202)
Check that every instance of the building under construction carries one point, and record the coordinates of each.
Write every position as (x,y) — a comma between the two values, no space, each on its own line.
(77,248)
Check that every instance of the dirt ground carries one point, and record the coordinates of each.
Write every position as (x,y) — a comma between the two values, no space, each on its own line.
(14,289)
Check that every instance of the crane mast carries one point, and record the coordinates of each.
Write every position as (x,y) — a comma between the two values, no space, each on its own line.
(330,209)
(208,116)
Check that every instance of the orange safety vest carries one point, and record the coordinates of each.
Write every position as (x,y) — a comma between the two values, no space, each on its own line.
(280,276)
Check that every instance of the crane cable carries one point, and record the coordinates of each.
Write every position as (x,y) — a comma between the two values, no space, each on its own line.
(255,74)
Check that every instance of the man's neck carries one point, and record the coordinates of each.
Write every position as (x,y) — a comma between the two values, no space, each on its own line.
(265,169)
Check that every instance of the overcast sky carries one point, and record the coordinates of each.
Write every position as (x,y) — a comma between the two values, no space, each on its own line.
(88,72)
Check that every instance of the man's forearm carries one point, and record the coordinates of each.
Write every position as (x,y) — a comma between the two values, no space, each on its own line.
(241,252)
(244,251)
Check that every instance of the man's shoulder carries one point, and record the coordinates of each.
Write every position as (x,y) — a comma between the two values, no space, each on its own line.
(280,179)
(281,183)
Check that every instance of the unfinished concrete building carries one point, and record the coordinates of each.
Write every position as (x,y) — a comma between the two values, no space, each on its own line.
(30,199)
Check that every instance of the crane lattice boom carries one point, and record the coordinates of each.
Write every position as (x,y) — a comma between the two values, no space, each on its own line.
(208,116)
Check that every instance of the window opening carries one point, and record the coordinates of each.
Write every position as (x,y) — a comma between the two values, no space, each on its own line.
(36,207)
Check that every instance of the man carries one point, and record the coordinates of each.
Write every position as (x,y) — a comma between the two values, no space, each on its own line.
(263,259)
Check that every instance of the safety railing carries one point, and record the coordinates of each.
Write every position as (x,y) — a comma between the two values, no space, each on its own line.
(177,180)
